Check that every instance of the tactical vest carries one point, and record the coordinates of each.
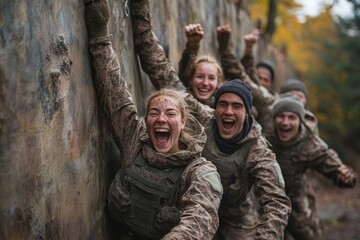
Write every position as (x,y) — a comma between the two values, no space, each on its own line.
(228,167)
(149,189)
(237,194)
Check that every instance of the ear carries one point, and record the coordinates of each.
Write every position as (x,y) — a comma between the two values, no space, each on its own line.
(183,123)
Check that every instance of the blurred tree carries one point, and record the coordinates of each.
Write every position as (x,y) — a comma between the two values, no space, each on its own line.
(333,74)
(326,51)
(282,24)
(272,12)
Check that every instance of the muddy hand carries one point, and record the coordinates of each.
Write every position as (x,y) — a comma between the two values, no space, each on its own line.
(194,33)
(97,15)
(223,35)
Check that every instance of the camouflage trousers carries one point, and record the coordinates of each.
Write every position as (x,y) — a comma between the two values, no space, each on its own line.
(303,221)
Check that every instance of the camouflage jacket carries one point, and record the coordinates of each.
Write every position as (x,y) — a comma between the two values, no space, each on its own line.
(233,69)
(263,99)
(252,166)
(306,151)
(261,163)
(200,190)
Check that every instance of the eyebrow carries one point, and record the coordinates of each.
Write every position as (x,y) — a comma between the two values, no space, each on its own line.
(232,103)
(169,109)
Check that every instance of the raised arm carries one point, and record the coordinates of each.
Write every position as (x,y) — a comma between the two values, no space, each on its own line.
(113,94)
(233,69)
(248,59)
(152,55)
(154,62)
(194,34)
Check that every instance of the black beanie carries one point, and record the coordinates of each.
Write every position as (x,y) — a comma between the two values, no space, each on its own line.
(239,88)
(288,103)
(294,84)
(267,64)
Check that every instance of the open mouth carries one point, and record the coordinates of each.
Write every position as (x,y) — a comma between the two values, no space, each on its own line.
(203,91)
(228,124)
(162,136)
(285,130)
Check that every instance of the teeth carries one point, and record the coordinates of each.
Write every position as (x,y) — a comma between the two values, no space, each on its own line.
(203,90)
(161,130)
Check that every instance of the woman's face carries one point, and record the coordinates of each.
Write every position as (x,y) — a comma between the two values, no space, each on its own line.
(205,81)
(164,123)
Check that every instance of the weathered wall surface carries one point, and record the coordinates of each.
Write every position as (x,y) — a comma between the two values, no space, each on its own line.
(56,155)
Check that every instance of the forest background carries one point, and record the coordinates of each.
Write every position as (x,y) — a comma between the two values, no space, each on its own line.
(57,156)
(325,52)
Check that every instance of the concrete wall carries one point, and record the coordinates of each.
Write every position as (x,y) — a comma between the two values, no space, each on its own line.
(57,157)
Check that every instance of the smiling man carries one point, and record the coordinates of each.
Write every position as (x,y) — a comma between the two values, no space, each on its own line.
(246,166)
(298,148)
(234,144)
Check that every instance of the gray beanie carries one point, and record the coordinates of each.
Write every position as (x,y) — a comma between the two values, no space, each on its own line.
(288,103)
(294,84)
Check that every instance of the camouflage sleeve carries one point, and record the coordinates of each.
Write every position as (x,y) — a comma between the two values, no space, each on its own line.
(231,65)
(151,54)
(311,121)
(263,103)
(200,201)
(326,161)
(187,60)
(203,113)
(248,62)
(155,63)
(113,94)
(270,190)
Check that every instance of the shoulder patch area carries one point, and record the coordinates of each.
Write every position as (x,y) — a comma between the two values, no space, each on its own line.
(213,179)
(278,173)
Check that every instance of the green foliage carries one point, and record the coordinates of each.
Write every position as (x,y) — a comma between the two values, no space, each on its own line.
(335,82)
(326,51)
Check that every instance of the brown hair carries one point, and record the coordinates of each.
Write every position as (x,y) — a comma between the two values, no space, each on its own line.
(191,132)
(173,94)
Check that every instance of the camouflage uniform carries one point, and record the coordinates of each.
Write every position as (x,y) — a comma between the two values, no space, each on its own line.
(252,168)
(199,192)
(258,166)
(306,151)
(233,69)
(263,100)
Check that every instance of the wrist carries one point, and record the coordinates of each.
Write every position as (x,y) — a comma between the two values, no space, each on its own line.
(192,46)
(97,32)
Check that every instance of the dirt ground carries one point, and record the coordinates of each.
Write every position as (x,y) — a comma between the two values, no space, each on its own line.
(338,209)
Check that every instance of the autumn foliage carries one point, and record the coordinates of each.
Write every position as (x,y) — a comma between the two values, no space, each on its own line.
(325,51)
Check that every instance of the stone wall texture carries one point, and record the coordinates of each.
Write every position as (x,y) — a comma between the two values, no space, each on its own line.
(57,157)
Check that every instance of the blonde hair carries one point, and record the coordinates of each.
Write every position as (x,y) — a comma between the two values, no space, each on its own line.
(211,60)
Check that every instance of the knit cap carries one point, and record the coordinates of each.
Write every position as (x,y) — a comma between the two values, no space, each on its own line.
(294,84)
(239,88)
(288,103)
(267,64)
